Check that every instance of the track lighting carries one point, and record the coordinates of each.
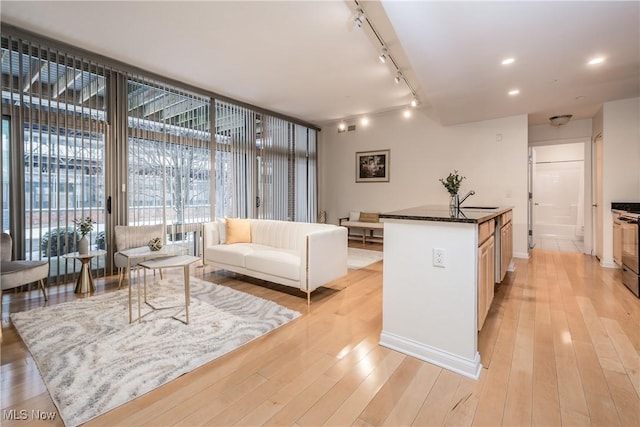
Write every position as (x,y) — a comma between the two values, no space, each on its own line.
(359,19)
(383,55)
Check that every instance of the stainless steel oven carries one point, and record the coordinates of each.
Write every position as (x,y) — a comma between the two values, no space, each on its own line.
(631,252)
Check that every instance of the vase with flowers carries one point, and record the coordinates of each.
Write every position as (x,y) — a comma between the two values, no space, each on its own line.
(452,184)
(84,227)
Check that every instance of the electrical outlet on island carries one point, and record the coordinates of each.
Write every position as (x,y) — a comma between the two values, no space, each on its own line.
(438,257)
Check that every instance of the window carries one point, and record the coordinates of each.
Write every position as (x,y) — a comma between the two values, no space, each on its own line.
(169,157)
(86,136)
(55,104)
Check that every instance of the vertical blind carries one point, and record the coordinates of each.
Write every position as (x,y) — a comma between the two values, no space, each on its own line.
(275,145)
(265,166)
(236,161)
(55,106)
(169,156)
(305,192)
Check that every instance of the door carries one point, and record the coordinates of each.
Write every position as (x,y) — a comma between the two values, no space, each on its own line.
(597,196)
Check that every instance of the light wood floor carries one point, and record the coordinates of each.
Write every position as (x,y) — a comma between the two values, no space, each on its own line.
(560,347)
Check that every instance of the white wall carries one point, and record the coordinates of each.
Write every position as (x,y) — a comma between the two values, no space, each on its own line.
(621,162)
(492,155)
(574,131)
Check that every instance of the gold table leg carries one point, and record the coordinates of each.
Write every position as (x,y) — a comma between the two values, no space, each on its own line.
(85,281)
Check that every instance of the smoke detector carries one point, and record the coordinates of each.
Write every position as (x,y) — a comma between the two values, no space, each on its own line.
(560,120)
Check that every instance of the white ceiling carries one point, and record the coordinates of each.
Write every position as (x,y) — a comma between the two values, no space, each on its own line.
(307,59)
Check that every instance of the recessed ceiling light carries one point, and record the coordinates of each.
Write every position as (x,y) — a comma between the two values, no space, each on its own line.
(508,61)
(597,60)
(342,126)
(364,121)
(414,102)
(514,92)
(407,113)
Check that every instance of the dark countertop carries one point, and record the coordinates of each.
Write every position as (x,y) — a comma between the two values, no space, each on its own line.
(444,214)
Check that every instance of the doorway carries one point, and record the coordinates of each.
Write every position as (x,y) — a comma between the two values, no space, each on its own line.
(558,190)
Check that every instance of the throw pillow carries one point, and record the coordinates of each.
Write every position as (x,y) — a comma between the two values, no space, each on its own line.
(238,230)
(369,217)
(354,216)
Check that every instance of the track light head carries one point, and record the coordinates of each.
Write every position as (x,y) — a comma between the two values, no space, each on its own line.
(359,19)
(398,77)
(383,55)
(414,102)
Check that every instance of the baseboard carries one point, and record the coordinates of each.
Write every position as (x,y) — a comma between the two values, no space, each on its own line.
(608,264)
(523,255)
(452,362)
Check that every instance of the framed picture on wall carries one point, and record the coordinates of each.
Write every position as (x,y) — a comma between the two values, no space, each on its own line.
(372,166)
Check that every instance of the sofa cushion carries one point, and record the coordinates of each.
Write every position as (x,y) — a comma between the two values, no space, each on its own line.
(17,273)
(281,262)
(354,216)
(230,254)
(238,231)
(222,230)
(369,217)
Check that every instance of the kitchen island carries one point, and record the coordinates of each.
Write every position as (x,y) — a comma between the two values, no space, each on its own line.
(440,266)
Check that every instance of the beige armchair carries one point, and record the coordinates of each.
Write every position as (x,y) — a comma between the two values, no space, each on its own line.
(134,236)
(18,273)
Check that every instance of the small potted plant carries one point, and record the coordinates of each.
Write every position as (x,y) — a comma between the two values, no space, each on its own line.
(452,184)
(84,227)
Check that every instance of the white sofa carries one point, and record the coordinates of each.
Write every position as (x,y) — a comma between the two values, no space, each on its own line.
(298,254)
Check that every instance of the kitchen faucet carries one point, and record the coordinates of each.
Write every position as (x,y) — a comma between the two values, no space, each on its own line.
(458,202)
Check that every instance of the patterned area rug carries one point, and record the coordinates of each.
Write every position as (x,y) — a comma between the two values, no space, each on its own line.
(92,360)
(359,258)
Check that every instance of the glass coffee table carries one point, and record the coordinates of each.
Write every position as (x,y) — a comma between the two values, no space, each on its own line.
(183,261)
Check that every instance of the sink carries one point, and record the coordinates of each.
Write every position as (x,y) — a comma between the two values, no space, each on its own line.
(479,207)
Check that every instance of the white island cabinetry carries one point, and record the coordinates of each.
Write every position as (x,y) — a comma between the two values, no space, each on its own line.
(430,304)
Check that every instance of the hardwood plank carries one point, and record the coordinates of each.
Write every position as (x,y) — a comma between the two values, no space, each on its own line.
(493,395)
(573,404)
(607,355)
(626,352)
(276,402)
(384,401)
(602,410)
(545,400)
(465,403)
(517,409)
(331,401)
(439,400)
(625,398)
(407,406)
(353,406)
